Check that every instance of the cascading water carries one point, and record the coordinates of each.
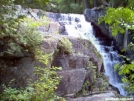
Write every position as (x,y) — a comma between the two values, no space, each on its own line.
(76,26)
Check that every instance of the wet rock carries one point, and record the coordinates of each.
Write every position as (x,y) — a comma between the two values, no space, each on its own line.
(79,26)
(62,30)
(77,20)
(90,15)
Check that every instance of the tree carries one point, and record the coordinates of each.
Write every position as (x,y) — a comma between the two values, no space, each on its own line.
(14,34)
(95,3)
(119,20)
(31,3)
(70,6)
(121,3)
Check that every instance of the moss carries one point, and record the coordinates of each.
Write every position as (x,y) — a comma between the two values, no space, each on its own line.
(96,53)
(65,45)
(91,64)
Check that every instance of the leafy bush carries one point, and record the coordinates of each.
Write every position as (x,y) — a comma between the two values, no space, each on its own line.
(118,19)
(45,85)
(22,36)
(128,76)
(17,33)
(13,94)
(65,45)
(42,88)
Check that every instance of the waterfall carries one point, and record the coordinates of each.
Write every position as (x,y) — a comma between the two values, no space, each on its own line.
(76,26)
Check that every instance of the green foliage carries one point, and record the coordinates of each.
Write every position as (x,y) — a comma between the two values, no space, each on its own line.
(17,33)
(41,89)
(119,3)
(119,19)
(45,85)
(76,8)
(65,45)
(96,53)
(128,77)
(31,3)
(22,35)
(9,6)
(65,6)
(130,4)
(91,64)
(85,89)
(52,6)
(13,94)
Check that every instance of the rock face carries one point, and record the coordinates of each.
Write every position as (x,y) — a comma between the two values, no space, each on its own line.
(71,82)
(20,69)
(82,65)
(93,15)
(82,69)
(77,67)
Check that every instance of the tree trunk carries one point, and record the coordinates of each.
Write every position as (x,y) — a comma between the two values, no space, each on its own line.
(125,42)
(85,4)
(75,1)
(104,2)
(95,3)
(79,1)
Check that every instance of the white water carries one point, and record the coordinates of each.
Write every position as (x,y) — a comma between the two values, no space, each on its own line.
(110,57)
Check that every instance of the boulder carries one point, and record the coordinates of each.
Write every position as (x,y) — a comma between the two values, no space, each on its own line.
(85,48)
(73,61)
(92,15)
(22,70)
(54,27)
(71,82)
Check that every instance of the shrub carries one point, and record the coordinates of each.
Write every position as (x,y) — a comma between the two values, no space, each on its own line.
(22,37)
(65,45)
(128,77)
(41,89)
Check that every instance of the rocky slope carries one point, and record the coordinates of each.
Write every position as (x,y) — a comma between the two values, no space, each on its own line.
(82,67)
